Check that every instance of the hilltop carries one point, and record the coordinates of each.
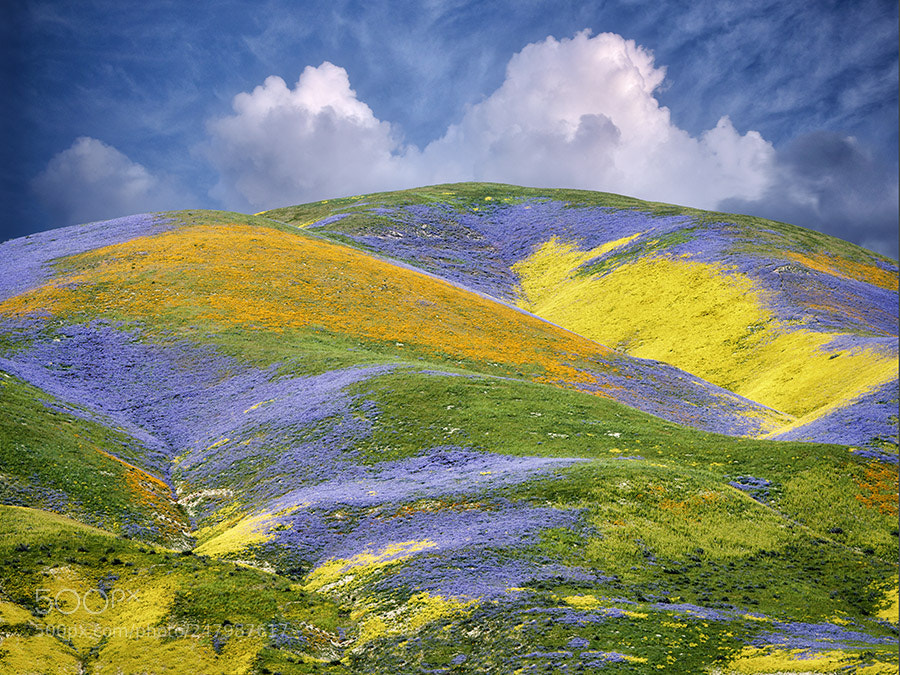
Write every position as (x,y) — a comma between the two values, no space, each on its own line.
(790,318)
(462,428)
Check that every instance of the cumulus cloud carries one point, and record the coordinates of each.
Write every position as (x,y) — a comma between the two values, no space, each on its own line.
(579,112)
(285,146)
(93,181)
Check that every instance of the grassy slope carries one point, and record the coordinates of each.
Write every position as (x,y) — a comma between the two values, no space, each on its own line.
(77,597)
(607,550)
(55,460)
(736,325)
(667,529)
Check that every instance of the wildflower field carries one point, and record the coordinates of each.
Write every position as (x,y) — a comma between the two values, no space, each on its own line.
(468,428)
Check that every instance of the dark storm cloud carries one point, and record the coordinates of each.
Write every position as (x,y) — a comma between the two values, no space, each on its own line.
(827,182)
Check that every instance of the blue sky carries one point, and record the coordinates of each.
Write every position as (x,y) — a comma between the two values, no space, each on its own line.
(782,109)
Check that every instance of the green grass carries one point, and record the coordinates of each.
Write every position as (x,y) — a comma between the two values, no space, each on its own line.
(765,233)
(463,196)
(52,459)
(813,484)
(153,587)
(681,536)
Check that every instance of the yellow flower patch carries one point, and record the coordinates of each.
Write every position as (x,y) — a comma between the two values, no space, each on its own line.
(703,318)
(420,610)
(364,563)
(755,661)
(249,530)
(262,278)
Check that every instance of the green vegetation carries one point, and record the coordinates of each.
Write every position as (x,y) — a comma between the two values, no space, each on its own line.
(815,485)
(714,545)
(84,597)
(55,460)
(294,511)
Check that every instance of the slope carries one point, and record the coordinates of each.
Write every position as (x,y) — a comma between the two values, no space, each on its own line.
(461,501)
(213,281)
(795,320)
(77,599)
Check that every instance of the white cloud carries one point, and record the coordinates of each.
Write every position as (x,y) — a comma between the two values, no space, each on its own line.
(286,146)
(578,112)
(93,181)
(582,113)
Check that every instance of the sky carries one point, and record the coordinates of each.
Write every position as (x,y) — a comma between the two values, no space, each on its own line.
(778,108)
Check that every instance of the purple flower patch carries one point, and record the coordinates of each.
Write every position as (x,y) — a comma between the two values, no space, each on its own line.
(758,488)
(440,471)
(870,421)
(317,536)
(212,412)
(32,257)
(578,643)
(799,635)
(486,574)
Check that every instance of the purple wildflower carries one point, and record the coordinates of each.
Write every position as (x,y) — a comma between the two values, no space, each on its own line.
(32,257)
(578,643)
(870,421)
(799,635)
(757,488)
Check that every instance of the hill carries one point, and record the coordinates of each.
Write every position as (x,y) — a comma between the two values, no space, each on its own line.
(360,445)
(790,318)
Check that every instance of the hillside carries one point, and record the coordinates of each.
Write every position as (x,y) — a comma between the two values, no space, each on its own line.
(470,428)
(790,318)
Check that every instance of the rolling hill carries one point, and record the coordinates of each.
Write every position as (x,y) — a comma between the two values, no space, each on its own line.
(793,319)
(463,428)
